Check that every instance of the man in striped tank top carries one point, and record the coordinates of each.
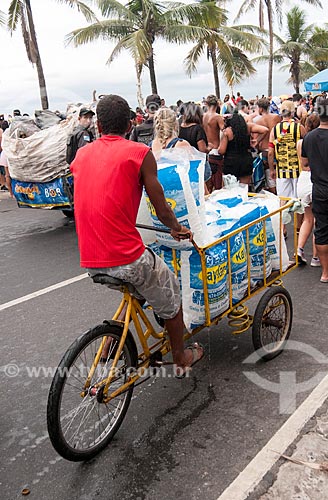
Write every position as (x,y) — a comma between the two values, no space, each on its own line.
(282,155)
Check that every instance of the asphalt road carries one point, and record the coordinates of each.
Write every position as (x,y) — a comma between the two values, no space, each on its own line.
(184,439)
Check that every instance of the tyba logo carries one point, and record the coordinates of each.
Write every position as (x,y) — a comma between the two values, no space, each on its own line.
(259,239)
(214,274)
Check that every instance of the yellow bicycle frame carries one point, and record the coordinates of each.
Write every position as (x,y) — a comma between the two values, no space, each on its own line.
(240,320)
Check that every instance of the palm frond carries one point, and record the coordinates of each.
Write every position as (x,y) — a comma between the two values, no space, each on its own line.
(192,58)
(14,14)
(183,34)
(137,44)
(285,67)
(278,59)
(81,7)
(245,7)
(105,30)
(318,54)
(319,37)
(206,14)
(242,67)
(246,41)
(314,2)
(3,18)
(307,70)
(278,10)
(224,59)
(114,8)
(251,28)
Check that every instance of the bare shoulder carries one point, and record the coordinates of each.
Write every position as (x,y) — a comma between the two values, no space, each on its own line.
(182,144)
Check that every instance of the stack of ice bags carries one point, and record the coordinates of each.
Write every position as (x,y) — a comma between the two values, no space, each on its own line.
(223,212)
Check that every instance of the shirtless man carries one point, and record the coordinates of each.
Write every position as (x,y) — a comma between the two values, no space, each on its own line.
(268,120)
(300,111)
(213,123)
(243,110)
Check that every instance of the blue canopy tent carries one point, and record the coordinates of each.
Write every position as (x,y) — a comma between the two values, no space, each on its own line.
(318,82)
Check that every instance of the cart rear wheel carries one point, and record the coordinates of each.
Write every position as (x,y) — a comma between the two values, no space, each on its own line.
(68,213)
(272,322)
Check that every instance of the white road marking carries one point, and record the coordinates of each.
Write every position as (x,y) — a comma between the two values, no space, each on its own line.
(30,296)
(254,472)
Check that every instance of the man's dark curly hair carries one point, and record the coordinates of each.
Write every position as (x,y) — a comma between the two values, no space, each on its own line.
(113,114)
(239,129)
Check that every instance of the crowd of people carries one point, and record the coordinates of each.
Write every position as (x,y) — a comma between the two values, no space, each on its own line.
(290,136)
(231,133)
(235,132)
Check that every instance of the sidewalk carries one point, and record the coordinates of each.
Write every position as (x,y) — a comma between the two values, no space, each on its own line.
(301,482)
(304,437)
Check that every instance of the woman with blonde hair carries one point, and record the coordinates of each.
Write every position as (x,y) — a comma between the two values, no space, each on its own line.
(166,131)
(166,136)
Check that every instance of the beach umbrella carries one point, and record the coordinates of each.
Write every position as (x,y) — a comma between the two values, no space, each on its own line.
(318,82)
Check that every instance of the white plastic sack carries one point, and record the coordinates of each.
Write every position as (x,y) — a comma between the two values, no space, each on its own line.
(40,157)
(230,195)
(217,226)
(181,174)
(193,302)
(232,214)
(272,203)
(143,217)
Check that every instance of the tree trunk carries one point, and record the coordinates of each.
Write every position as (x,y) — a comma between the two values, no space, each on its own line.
(151,67)
(297,75)
(42,81)
(215,73)
(270,69)
(139,90)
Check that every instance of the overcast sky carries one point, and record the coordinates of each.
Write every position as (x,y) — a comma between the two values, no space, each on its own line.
(73,73)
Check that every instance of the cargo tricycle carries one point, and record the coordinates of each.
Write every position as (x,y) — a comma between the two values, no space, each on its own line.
(90,395)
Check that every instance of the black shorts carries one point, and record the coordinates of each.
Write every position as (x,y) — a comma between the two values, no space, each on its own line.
(320,212)
(216,162)
(239,166)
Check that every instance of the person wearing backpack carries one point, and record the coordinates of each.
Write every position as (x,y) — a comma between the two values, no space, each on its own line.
(145,132)
(81,134)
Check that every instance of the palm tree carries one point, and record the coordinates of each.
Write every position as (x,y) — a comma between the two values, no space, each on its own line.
(224,46)
(20,14)
(271,7)
(302,48)
(320,40)
(136,25)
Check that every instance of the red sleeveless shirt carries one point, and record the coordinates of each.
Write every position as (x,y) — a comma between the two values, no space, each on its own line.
(107,193)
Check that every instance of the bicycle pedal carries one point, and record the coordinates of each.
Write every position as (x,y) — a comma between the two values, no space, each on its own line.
(156,359)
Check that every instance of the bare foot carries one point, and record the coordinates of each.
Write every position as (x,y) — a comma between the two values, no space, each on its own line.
(192,355)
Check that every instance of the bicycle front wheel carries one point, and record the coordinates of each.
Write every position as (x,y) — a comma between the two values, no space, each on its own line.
(80,424)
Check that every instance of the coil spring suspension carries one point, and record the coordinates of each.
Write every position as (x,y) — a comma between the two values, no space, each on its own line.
(278,282)
(239,319)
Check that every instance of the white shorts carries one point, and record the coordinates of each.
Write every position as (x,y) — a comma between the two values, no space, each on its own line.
(287,187)
(304,187)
